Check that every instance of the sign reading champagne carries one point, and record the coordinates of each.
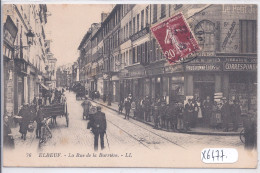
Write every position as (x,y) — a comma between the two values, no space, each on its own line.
(175,38)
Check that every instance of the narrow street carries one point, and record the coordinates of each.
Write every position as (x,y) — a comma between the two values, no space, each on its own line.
(125,134)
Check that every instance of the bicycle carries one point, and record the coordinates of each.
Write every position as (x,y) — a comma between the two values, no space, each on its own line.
(45,132)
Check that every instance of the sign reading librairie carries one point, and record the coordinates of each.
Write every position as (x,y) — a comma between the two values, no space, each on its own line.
(175,38)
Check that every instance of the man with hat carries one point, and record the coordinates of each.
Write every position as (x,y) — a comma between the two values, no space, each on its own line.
(98,124)
(86,106)
(188,113)
(235,114)
(25,114)
(225,113)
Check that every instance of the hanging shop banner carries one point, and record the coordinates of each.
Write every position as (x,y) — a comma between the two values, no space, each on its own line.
(10,31)
(175,38)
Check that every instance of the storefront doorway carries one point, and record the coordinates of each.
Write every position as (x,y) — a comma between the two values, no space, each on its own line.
(158,85)
(204,85)
(204,89)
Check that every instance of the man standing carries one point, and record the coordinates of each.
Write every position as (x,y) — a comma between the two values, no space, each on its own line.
(147,105)
(98,124)
(225,113)
(127,108)
(39,119)
(189,110)
(86,106)
(236,113)
(8,141)
(25,114)
(207,107)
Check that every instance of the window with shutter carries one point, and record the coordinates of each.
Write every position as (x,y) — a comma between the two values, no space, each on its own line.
(248,37)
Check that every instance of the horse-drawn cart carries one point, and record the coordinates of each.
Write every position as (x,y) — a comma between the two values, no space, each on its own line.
(58,109)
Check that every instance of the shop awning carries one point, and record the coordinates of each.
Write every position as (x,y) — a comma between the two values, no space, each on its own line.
(43,86)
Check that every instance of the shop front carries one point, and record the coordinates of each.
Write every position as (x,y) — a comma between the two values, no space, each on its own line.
(132,82)
(9,33)
(19,79)
(232,77)
(175,75)
(203,78)
(115,88)
(158,82)
(241,73)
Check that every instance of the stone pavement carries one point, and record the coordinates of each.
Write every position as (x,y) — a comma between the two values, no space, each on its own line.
(197,130)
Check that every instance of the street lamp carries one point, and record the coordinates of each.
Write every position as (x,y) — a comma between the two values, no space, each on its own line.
(30,37)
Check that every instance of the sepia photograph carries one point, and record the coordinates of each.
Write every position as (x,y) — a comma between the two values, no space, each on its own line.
(129,85)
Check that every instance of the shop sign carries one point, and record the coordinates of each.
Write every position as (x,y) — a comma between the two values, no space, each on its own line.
(203,67)
(240,66)
(137,73)
(10,31)
(177,78)
(123,73)
(241,59)
(173,68)
(155,71)
(139,34)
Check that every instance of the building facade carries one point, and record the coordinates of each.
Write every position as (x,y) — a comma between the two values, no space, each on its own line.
(133,63)
(64,76)
(24,55)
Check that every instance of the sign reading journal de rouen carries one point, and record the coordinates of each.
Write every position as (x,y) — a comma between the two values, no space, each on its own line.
(175,38)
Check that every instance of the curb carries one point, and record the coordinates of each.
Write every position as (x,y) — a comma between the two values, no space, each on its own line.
(188,132)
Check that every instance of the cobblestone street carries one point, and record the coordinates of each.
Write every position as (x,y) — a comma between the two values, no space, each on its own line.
(121,133)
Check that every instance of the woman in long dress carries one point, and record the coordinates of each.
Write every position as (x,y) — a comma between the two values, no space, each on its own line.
(199,111)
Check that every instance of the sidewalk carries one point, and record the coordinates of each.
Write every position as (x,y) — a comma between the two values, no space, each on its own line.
(197,130)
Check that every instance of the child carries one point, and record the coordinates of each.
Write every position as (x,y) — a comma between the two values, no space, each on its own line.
(120,107)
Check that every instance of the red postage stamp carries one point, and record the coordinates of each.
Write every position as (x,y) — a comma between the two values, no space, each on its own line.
(175,38)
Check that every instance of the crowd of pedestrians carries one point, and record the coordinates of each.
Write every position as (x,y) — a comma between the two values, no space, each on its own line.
(30,112)
(179,116)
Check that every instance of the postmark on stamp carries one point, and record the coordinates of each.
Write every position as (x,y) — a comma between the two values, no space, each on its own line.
(175,38)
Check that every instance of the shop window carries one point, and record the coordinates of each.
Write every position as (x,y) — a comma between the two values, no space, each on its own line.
(124,34)
(146,16)
(127,34)
(138,22)
(176,87)
(163,10)
(242,86)
(248,37)
(154,13)
(133,25)
(134,55)
(147,87)
(142,19)
(139,53)
(153,50)
(130,28)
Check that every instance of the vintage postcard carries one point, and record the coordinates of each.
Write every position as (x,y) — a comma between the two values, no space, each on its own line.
(129,85)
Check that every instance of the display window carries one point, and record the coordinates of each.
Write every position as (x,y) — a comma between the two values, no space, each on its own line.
(242,86)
